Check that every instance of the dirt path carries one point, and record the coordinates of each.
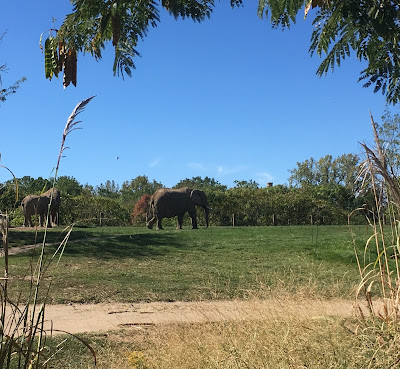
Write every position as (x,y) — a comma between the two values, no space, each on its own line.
(106,317)
(80,318)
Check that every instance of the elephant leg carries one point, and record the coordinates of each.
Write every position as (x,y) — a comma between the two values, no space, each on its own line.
(194,219)
(49,223)
(45,220)
(180,221)
(159,223)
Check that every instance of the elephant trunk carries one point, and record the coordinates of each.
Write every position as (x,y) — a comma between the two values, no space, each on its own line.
(206,213)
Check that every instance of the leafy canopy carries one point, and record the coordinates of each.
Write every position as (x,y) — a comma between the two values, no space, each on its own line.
(123,22)
(342,170)
(370,28)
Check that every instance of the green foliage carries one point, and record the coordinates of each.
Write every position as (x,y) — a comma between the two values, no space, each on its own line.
(69,186)
(322,198)
(92,24)
(246,184)
(370,28)
(26,185)
(109,189)
(51,65)
(91,210)
(133,190)
(201,184)
(389,138)
(327,171)
(281,205)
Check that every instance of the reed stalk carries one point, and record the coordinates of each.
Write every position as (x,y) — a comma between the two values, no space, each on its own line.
(380,279)
(22,336)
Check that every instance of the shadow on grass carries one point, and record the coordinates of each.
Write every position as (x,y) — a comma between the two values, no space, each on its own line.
(123,246)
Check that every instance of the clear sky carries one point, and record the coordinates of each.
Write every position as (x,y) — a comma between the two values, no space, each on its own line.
(229,98)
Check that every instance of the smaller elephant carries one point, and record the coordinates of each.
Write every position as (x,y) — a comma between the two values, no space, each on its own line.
(168,203)
(39,205)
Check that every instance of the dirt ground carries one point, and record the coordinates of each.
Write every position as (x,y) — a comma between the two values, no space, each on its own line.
(105,317)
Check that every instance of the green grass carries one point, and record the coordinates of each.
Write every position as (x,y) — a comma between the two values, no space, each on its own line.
(215,263)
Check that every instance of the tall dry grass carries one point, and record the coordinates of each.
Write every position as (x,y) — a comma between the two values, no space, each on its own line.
(277,340)
(380,279)
(22,336)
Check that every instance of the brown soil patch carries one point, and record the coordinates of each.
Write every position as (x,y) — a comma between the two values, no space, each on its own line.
(81,318)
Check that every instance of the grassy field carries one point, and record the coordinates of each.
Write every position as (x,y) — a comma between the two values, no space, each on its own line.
(136,264)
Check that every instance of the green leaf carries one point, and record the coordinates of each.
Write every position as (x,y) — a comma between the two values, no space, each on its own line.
(48,65)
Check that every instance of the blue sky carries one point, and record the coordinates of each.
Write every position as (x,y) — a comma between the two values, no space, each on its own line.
(229,98)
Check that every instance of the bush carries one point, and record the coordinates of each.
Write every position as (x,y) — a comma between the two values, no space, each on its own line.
(139,213)
(91,210)
(17,218)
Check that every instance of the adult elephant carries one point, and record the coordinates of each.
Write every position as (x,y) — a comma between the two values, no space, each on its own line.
(168,203)
(55,205)
(39,205)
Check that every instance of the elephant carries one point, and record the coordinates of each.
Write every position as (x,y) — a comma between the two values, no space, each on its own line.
(167,203)
(34,204)
(55,205)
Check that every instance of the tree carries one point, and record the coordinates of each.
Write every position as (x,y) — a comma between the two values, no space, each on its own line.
(69,186)
(109,189)
(304,174)
(132,191)
(347,171)
(245,184)
(341,171)
(368,27)
(201,184)
(389,136)
(31,186)
(124,22)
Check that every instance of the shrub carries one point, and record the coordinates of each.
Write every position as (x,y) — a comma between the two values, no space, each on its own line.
(93,210)
(139,213)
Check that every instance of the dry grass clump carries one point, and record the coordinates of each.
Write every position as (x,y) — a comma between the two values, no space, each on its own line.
(380,279)
(278,333)
(285,343)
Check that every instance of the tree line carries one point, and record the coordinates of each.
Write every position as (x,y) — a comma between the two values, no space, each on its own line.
(322,191)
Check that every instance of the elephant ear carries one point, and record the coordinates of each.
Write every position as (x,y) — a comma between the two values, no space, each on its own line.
(195,195)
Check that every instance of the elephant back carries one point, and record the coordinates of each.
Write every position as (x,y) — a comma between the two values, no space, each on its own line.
(29,199)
